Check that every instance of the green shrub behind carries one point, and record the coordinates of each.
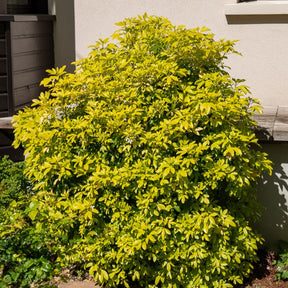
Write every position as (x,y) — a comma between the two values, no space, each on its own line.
(24,254)
(143,160)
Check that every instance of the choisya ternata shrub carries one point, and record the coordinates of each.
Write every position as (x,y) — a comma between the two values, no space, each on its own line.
(143,161)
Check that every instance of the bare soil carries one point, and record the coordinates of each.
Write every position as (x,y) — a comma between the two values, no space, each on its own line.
(78,284)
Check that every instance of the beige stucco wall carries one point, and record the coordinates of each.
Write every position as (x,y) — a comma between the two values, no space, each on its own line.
(100,16)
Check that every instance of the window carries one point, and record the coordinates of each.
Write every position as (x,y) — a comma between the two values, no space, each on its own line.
(256,11)
(27,6)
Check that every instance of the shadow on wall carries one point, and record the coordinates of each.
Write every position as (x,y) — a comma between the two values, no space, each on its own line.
(273,195)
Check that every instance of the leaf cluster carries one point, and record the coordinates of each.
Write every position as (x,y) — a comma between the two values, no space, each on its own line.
(142,161)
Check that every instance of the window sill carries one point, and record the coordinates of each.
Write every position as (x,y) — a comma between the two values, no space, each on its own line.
(257,12)
(257,8)
(272,125)
(25,18)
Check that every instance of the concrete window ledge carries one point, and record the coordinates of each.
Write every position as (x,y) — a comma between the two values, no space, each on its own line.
(257,12)
(272,125)
(6,123)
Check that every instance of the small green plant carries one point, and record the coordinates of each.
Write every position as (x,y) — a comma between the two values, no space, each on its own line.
(24,257)
(280,262)
(282,267)
(142,161)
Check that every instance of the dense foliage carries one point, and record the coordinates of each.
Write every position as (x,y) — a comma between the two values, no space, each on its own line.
(142,161)
(24,255)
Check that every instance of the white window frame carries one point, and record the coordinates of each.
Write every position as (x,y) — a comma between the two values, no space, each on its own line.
(259,7)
